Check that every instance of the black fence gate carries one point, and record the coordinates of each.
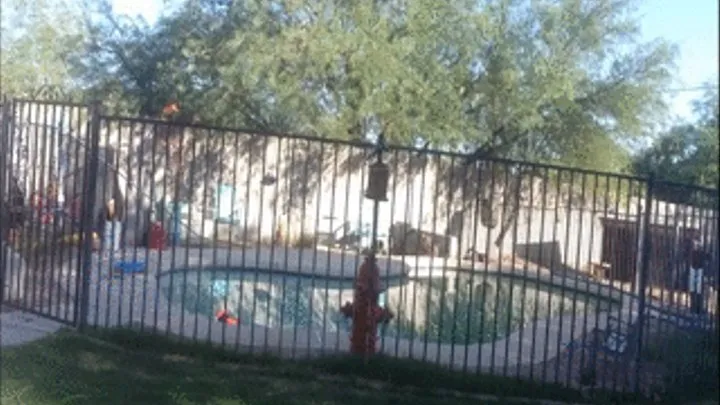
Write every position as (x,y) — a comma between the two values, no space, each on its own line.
(43,164)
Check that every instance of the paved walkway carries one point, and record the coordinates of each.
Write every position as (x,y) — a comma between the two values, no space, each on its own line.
(17,328)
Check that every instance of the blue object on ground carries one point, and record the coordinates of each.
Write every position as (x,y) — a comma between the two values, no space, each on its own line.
(130,267)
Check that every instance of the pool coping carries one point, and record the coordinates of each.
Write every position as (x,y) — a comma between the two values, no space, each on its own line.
(389,280)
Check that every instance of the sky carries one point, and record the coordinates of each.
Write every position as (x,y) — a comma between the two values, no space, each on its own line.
(693,26)
(690,24)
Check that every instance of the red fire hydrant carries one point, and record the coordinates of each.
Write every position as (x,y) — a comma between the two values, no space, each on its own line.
(364,310)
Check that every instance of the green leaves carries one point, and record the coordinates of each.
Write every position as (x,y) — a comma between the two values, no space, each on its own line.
(36,38)
(687,153)
(563,81)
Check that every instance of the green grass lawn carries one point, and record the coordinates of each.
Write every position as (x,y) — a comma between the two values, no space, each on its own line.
(72,369)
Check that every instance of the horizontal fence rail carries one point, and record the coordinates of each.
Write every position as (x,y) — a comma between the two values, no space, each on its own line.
(254,241)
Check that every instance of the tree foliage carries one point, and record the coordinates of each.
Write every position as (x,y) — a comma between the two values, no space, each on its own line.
(559,81)
(562,81)
(36,37)
(687,153)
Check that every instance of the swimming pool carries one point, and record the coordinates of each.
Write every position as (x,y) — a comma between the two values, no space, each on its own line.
(457,308)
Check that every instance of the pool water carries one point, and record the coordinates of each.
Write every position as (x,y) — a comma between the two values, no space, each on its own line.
(458,308)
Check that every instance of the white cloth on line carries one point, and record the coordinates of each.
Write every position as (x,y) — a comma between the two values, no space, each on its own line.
(111,236)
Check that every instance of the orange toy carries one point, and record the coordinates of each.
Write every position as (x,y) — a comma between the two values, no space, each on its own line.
(170,109)
(224,317)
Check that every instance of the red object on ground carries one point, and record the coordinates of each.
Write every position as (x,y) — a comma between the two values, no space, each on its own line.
(156,236)
(223,317)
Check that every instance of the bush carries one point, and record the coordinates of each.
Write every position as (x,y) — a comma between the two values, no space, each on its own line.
(691,360)
(304,241)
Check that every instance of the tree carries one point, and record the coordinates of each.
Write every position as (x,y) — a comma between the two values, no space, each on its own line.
(541,81)
(535,81)
(562,81)
(686,153)
(182,58)
(513,79)
(36,37)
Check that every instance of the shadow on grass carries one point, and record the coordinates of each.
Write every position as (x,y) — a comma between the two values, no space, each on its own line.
(121,366)
(424,379)
(71,369)
(68,370)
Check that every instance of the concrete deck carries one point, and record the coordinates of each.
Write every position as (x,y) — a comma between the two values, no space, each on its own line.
(17,328)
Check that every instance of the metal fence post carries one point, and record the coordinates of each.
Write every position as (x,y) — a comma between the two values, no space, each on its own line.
(642,285)
(4,134)
(88,207)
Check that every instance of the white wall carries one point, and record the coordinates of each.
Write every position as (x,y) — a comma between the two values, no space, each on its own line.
(329,181)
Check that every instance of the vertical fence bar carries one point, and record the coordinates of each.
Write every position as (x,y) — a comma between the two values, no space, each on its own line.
(175,159)
(203,240)
(472,317)
(644,268)
(139,197)
(459,230)
(5,203)
(274,202)
(57,201)
(574,321)
(539,268)
(111,132)
(289,157)
(126,201)
(333,189)
(241,283)
(152,130)
(231,220)
(563,297)
(525,271)
(190,247)
(597,299)
(33,231)
(513,212)
(419,216)
(496,270)
(219,152)
(46,204)
(88,201)
(14,195)
(400,314)
(431,267)
(443,278)
(448,254)
(487,204)
(20,129)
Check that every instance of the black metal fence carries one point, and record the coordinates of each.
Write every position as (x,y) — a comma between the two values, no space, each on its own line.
(495,266)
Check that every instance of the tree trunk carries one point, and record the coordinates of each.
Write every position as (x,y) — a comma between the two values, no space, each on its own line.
(508,220)
(511,208)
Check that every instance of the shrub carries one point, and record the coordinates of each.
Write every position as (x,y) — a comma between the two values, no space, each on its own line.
(691,362)
(304,241)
